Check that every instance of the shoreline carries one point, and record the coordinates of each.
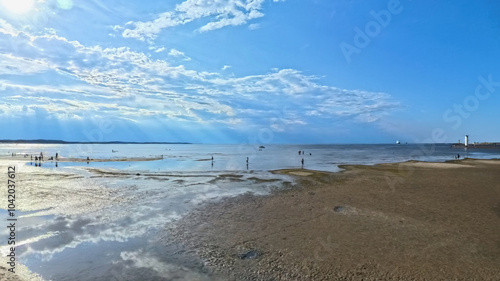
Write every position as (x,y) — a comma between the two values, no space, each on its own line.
(79,160)
(398,221)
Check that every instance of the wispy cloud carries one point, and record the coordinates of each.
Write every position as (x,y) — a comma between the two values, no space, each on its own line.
(254,26)
(159,50)
(219,14)
(16,65)
(177,53)
(121,83)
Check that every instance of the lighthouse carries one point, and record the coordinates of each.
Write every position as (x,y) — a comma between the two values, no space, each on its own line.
(466,140)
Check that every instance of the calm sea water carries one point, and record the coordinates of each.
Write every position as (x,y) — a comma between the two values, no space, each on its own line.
(197,157)
(115,228)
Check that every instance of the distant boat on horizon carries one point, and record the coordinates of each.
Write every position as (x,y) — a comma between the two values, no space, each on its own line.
(398,142)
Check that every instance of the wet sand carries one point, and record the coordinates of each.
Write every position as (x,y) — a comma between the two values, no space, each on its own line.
(406,221)
(81,223)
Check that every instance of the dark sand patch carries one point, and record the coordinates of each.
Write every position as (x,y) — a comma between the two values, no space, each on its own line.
(228,177)
(260,180)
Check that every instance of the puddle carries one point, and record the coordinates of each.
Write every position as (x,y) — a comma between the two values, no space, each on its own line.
(136,259)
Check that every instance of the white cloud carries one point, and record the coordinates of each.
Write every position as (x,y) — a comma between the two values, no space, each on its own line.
(177,53)
(7,28)
(10,64)
(220,14)
(254,26)
(130,85)
(159,50)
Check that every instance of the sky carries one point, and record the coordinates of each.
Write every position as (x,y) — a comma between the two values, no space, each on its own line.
(250,71)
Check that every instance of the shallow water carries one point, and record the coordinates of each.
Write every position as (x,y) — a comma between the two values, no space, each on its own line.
(197,157)
(89,224)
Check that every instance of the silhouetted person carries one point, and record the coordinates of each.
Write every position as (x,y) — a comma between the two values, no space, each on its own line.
(302,161)
(57,155)
(36,158)
(458,156)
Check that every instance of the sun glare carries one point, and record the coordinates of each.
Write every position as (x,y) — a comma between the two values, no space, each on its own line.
(18,6)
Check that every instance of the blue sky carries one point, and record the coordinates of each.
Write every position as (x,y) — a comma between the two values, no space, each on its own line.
(250,71)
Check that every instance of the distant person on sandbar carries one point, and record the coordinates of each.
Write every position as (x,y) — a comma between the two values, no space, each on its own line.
(458,156)
(57,155)
(302,161)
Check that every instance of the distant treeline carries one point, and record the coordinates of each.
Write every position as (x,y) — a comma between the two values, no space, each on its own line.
(85,142)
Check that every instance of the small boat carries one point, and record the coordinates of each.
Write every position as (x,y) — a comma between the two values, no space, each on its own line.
(114,151)
(398,142)
(262,146)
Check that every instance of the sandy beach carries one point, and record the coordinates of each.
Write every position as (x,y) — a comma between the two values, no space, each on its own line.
(403,221)
(406,221)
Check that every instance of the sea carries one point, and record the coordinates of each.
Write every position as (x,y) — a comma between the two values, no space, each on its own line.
(112,220)
(198,157)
